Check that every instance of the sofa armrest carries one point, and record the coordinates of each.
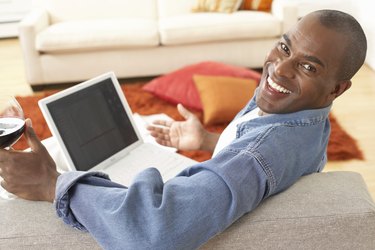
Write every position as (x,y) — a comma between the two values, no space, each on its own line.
(35,225)
(36,20)
(29,27)
(286,12)
(320,211)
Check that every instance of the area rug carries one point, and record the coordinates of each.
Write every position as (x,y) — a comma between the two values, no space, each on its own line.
(341,145)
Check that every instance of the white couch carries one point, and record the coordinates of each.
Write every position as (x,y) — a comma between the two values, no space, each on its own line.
(69,41)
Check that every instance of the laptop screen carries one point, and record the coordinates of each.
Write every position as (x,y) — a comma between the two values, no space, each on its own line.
(93,124)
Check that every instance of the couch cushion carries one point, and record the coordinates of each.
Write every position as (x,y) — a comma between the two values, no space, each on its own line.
(98,34)
(263,5)
(226,6)
(207,27)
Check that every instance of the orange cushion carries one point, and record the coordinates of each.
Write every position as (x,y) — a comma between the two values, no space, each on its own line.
(262,5)
(223,97)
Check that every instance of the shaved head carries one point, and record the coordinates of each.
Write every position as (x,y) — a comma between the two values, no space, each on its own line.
(355,44)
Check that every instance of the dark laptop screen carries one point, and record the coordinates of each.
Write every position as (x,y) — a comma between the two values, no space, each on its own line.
(93,124)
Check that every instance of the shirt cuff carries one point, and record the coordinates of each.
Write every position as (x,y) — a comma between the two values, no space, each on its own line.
(64,185)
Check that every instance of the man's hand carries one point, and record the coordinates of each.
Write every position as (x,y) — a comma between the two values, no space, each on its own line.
(29,175)
(183,135)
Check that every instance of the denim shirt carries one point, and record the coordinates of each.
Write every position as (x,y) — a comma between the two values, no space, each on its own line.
(268,155)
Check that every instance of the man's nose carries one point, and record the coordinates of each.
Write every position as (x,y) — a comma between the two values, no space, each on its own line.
(285,67)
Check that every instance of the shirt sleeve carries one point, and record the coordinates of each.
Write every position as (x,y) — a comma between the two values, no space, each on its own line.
(182,213)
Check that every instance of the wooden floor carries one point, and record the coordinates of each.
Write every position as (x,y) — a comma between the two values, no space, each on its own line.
(355,110)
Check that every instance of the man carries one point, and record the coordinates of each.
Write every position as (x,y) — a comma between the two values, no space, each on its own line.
(280,135)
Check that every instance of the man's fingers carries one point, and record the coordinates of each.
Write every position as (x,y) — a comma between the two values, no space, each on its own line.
(162,123)
(4,157)
(31,137)
(162,136)
(157,129)
(184,112)
(12,189)
(3,184)
(164,142)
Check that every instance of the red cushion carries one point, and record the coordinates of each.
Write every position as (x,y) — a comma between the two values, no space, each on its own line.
(178,86)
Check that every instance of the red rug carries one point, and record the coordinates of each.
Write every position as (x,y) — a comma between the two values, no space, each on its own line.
(341,145)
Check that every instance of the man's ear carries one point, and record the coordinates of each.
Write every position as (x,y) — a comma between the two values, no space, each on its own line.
(340,88)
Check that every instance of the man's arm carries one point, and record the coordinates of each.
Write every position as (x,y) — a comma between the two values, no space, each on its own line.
(182,213)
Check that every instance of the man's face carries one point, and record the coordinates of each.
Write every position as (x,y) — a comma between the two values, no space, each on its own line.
(300,72)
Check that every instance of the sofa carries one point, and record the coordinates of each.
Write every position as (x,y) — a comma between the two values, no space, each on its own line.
(320,211)
(71,41)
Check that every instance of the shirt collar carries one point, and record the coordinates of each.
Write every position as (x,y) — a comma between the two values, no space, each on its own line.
(301,117)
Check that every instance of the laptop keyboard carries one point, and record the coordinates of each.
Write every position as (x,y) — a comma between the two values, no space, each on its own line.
(145,156)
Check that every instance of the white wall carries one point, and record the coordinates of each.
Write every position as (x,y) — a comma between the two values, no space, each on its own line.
(11,12)
(365,15)
(307,6)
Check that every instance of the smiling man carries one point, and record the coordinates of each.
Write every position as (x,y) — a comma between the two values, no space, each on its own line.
(280,135)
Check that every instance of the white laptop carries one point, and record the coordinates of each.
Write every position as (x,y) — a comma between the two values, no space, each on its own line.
(95,129)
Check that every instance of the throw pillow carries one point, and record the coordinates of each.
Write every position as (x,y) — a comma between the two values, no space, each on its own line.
(226,6)
(262,5)
(223,97)
(178,86)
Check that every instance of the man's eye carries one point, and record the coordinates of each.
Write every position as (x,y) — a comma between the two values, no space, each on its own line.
(308,67)
(284,48)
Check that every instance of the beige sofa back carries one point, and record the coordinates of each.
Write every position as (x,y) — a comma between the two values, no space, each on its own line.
(170,8)
(69,10)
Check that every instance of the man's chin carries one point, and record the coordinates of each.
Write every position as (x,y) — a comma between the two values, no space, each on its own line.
(264,106)
(268,107)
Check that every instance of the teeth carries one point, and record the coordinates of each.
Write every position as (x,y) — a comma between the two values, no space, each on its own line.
(277,87)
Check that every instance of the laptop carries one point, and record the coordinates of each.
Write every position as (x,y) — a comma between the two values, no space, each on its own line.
(95,129)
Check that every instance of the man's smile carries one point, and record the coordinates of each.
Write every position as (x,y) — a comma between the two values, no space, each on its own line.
(277,87)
